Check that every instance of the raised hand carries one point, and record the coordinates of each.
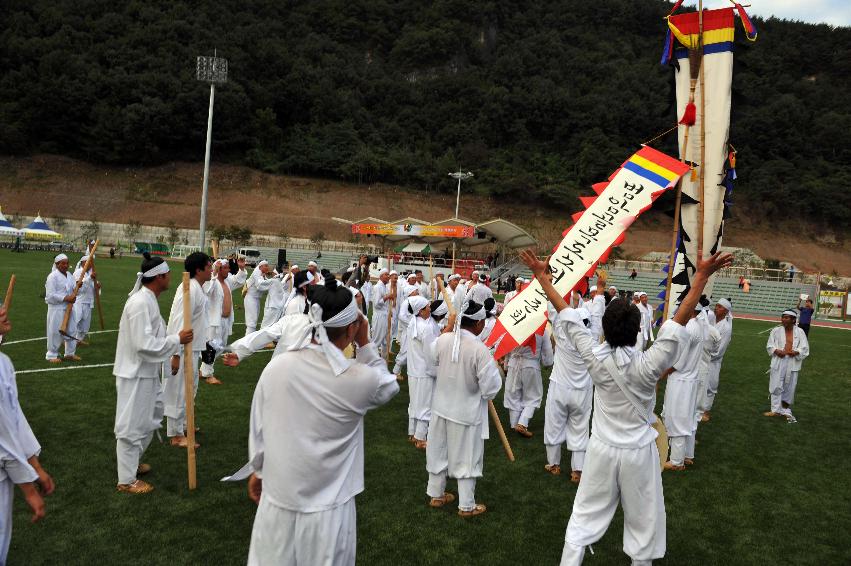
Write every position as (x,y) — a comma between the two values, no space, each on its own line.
(531,260)
(714,262)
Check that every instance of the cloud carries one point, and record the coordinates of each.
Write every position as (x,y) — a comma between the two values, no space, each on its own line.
(833,12)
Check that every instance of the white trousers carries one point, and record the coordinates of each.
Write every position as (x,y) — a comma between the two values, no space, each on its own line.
(524,390)
(218,334)
(7,493)
(138,413)
(271,315)
(83,314)
(421,390)
(251,305)
(55,315)
(378,328)
(324,538)
(631,477)
(713,377)
(174,395)
(782,389)
(680,406)
(457,451)
(567,415)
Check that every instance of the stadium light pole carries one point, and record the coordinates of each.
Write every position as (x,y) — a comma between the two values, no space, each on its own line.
(461,176)
(213,70)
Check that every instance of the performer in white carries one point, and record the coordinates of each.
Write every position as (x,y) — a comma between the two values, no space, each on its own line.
(140,352)
(646,332)
(85,298)
(490,320)
(58,292)
(405,315)
(480,290)
(518,284)
(256,286)
(381,295)
(198,265)
(681,393)
(724,324)
(567,413)
(313,275)
(788,347)
(467,377)
(311,402)
(396,287)
(275,299)
(596,310)
(421,331)
(219,291)
(456,291)
(524,387)
(622,456)
(19,452)
(422,285)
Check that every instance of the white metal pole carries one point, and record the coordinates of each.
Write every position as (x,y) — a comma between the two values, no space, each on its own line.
(203,229)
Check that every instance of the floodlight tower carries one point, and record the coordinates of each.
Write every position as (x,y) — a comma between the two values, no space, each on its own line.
(213,70)
(461,176)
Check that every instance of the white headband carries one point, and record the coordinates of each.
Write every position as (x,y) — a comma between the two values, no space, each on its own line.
(383,271)
(456,342)
(394,272)
(416,304)
(293,267)
(262,263)
(158,269)
(789,312)
(642,294)
(441,309)
(454,276)
(333,354)
(312,264)
(59,258)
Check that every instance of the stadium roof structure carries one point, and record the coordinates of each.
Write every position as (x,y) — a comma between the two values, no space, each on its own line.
(497,231)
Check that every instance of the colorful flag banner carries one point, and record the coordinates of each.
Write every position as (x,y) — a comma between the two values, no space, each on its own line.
(421,230)
(629,192)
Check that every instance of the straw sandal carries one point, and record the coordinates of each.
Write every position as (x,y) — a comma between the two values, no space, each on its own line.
(477,510)
(554,469)
(137,487)
(441,501)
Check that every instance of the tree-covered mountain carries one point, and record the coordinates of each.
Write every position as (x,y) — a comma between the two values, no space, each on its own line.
(539,99)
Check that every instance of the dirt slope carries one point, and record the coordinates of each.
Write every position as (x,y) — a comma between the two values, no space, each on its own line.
(301,206)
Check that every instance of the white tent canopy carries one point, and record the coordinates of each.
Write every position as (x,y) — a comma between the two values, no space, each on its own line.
(6,228)
(39,230)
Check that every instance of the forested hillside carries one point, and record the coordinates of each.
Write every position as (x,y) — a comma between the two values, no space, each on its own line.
(540,99)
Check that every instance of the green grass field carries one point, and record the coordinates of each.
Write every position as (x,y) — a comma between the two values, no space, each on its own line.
(761,491)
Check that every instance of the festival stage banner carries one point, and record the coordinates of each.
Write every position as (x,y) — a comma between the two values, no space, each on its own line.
(713,159)
(423,231)
(629,192)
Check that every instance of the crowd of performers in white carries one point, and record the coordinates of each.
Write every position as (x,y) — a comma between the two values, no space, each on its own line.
(330,366)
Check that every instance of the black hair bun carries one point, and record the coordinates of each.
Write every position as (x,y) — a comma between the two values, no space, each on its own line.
(490,303)
(146,255)
(331,283)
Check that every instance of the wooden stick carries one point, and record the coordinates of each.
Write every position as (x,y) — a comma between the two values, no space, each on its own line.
(63,328)
(504,439)
(491,408)
(391,304)
(7,302)
(674,237)
(215,245)
(98,305)
(188,377)
(702,189)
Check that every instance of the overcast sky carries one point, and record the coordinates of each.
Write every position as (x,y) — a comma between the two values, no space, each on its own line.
(833,12)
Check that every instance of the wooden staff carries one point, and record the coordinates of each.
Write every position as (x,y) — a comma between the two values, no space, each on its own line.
(702,189)
(491,409)
(97,303)
(63,328)
(7,302)
(391,304)
(674,235)
(215,245)
(188,376)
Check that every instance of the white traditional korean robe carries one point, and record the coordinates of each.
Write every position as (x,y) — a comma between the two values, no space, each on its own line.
(567,413)
(421,372)
(142,348)
(380,309)
(56,288)
(621,456)
(479,293)
(286,332)
(275,299)
(597,310)
(174,396)
(645,334)
(257,286)
(725,330)
(17,445)
(681,392)
(459,415)
(783,372)
(524,387)
(221,326)
(84,304)
(307,509)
